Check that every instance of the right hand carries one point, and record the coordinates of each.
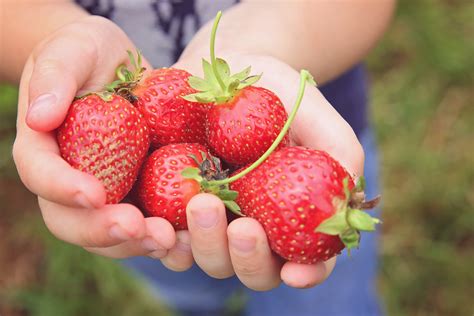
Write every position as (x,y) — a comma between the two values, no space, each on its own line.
(82,57)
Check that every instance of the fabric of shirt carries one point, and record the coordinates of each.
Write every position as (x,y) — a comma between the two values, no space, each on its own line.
(161,30)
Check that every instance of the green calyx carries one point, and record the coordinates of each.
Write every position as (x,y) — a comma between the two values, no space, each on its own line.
(218,85)
(127,80)
(350,218)
(210,169)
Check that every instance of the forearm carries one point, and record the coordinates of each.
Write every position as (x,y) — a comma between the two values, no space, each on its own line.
(24,24)
(325,37)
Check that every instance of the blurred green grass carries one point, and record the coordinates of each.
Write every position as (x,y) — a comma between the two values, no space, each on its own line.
(422,78)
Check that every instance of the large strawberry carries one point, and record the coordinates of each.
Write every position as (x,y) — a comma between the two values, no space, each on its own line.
(244,120)
(172,175)
(159,96)
(105,135)
(306,202)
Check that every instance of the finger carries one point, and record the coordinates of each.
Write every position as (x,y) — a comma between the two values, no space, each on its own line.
(159,238)
(304,275)
(207,225)
(46,174)
(105,227)
(180,257)
(56,77)
(254,263)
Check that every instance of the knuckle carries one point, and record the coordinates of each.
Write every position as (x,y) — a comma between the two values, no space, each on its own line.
(249,269)
(48,66)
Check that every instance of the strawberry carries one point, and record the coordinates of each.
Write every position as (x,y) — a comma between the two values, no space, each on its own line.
(242,129)
(306,202)
(105,135)
(171,118)
(172,175)
(243,120)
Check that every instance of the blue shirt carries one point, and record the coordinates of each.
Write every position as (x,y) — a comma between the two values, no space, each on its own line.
(161,29)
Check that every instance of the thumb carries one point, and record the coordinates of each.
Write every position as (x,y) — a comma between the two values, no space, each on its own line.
(61,67)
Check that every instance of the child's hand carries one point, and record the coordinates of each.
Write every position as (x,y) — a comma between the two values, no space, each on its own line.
(241,247)
(80,56)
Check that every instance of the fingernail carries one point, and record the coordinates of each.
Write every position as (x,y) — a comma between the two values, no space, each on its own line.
(183,243)
(150,244)
(82,200)
(41,102)
(118,232)
(244,245)
(205,218)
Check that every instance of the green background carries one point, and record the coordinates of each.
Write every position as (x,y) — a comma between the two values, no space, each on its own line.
(423,113)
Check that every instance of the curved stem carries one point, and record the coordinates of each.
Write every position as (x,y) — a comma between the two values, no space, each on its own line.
(213,56)
(119,73)
(304,77)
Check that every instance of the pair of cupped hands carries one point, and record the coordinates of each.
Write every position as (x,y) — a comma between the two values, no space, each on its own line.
(81,57)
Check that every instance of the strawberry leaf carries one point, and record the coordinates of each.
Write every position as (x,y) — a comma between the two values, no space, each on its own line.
(233,207)
(208,73)
(360,184)
(361,221)
(249,81)
(350,238)
(347,192)
(223,69)
(198,83)
(243,74)
(192,173)
(203,97)
(226,194)
(334,225)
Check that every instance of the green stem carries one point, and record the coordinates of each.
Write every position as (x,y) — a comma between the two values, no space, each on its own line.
(213,56)
(304,77)
(119,73)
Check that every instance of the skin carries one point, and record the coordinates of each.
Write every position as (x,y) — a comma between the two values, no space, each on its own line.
(73,205)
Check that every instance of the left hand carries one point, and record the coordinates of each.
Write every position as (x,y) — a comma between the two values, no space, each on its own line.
(241,247)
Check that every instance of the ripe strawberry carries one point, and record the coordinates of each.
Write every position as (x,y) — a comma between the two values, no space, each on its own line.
(164,188)
(171,119)
(306,202)
(244,120)
(242,129)
(105,136)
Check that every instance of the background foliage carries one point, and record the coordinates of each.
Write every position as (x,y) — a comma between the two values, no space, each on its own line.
(422,76)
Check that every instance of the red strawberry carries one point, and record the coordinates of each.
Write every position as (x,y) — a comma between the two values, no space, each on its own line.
(241,130)
(244,120)
(164,188)
(171,118)
(107,137)
(293,192)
